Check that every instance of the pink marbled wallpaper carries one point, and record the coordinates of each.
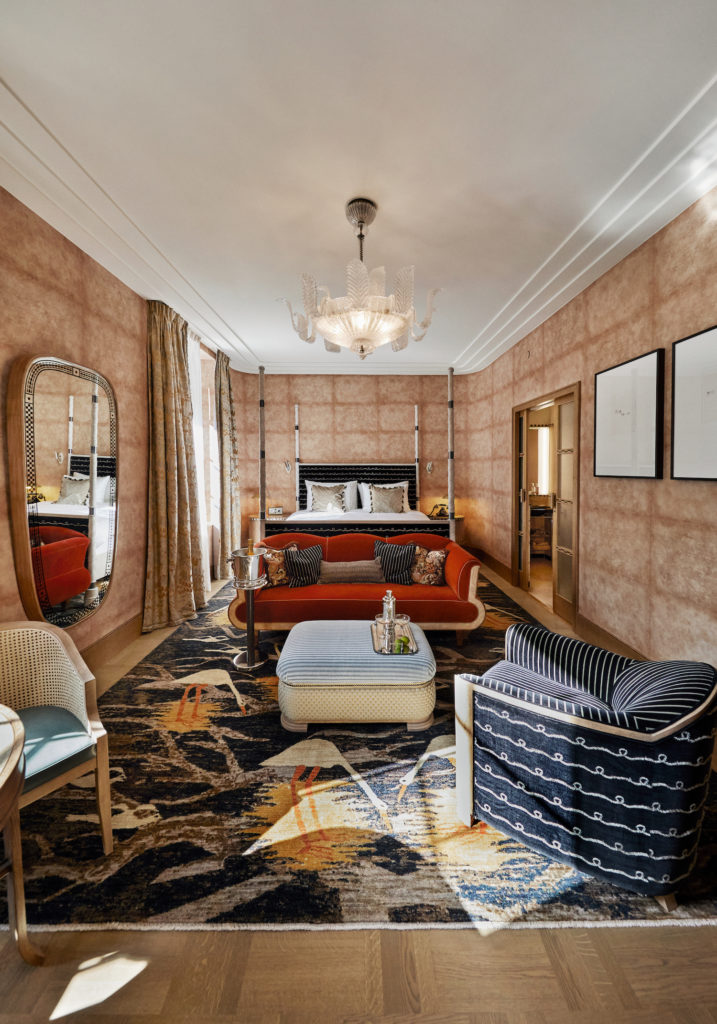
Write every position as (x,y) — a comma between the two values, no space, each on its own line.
(648,548)
(57,301)
(342,419)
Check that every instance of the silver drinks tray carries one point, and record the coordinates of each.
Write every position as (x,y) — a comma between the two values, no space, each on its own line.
(402,629)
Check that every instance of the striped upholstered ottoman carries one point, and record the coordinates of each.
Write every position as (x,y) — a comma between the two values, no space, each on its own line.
(329,672)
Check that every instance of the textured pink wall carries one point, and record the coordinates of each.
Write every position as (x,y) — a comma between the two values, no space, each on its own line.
(56,301)
(342,419)
(648,548)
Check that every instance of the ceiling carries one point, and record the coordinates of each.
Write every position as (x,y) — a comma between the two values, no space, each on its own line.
(203,152)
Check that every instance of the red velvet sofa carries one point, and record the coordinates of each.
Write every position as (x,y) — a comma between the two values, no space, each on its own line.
(453,605)
(60,559)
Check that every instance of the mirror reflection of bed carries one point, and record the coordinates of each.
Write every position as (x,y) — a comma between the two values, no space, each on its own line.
(71,493)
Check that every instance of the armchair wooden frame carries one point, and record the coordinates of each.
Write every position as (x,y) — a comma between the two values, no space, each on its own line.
(99,763)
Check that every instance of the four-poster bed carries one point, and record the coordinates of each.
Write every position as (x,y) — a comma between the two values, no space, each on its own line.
(358,518)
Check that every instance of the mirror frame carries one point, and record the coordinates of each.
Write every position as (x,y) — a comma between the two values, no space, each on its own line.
(20,443)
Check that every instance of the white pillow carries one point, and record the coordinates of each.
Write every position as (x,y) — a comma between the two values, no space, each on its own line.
(73,491)
(366,494)
(350,496)
(102,488)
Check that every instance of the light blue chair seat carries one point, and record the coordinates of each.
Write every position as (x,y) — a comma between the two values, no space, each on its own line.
(55,741)
(44,679)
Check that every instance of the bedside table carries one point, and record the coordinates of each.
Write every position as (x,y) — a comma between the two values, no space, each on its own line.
(255,525)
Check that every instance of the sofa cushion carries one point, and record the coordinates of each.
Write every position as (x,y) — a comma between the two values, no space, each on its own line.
(304,566)
(523,684)
(429,566)
(396,561)
(55,741)
(277,574)
(365,571)
(359,601)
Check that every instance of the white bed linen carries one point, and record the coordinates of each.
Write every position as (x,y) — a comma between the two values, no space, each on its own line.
(359,515)
(102,533)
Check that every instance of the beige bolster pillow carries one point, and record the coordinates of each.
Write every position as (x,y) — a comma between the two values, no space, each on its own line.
(352,572)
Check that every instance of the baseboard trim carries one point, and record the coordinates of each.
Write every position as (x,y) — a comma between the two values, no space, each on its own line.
(498,567)
(103,650)
(595,634)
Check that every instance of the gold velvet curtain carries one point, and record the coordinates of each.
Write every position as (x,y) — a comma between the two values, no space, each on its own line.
(229,508)
(174,584)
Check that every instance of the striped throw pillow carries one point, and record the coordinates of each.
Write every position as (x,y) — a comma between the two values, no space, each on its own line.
(396,561)
(303,566)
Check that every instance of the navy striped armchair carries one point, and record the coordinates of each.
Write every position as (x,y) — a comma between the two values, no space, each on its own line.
(594,759)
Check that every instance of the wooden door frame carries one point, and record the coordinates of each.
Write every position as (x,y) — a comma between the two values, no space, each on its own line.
(564,392)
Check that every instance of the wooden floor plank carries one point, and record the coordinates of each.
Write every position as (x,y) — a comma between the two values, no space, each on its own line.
(475,972)
(667,975)
(401,993)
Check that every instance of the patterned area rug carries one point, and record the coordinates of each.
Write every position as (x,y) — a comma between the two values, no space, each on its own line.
(224,819)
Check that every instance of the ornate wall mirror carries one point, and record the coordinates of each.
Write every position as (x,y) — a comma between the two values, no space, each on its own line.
(62,438)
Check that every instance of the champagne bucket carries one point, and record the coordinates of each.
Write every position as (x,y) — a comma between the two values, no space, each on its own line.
(246,567)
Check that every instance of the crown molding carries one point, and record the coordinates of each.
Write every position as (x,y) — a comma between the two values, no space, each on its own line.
(39,171)
(678,167)
(673,172)
(354,367)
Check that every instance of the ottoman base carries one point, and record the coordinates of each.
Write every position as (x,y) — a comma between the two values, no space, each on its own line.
(292,726)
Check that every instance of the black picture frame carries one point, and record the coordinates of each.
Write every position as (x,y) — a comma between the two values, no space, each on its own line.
(629,418)
(693,448)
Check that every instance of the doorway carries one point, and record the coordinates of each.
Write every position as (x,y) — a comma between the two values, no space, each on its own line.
(545,499)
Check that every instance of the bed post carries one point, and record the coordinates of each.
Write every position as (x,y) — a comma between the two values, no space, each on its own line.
(70,429)
(91,594)
(451,486)
(262,456)
(418,473)
(296,452)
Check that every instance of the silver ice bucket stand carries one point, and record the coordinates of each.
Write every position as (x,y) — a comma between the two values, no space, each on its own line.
(247,578)
(246,569)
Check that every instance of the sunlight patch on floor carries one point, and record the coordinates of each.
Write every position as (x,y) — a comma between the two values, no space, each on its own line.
(97,980)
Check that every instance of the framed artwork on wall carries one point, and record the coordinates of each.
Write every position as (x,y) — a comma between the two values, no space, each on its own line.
(694,407)
(629,419)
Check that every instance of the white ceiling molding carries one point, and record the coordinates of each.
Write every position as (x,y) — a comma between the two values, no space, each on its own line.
(39,170)
(676,170)
(540,145)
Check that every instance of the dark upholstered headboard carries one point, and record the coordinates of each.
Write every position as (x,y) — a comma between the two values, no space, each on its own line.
(106,465)
(376,473)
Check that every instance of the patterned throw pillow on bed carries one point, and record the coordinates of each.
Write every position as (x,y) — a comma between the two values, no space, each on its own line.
(396,561)
(304,566)
(429,566)
(328,498)
(386,499)
(275,564)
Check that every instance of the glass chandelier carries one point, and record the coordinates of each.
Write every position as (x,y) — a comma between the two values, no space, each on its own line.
(365,317)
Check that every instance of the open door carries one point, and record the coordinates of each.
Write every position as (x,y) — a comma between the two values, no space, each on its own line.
(521,555)
(566,526)
(562,524)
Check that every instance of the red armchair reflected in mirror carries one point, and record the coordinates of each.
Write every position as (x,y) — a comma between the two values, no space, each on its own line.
(58,558)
